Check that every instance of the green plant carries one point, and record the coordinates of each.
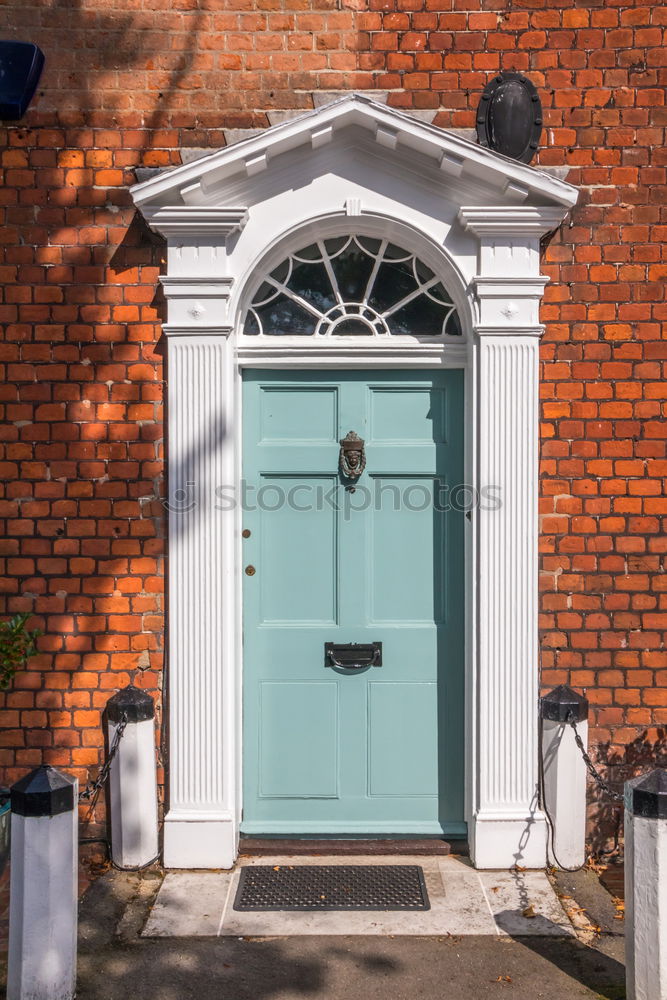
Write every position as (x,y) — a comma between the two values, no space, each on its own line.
(17,645)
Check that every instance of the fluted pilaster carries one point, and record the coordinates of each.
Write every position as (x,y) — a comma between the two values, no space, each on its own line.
(200,689)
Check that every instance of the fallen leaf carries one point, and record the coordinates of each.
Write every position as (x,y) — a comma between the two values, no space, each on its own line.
(529,912)
(503,979)
(495,888)
(276,868)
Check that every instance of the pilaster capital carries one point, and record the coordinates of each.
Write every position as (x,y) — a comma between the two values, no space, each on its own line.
(509,304)
(197,304)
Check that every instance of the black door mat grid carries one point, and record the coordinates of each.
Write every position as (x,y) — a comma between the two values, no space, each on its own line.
(332,887)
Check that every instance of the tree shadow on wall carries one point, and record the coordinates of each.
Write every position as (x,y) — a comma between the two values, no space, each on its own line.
(618,765)
(90,52)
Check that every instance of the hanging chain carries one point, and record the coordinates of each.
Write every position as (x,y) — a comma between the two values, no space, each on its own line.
(93,788)
(594,773)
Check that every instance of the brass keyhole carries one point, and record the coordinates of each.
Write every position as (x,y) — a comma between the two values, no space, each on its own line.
(246,533)
(250,571)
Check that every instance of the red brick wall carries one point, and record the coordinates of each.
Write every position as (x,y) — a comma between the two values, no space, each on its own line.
(129,83)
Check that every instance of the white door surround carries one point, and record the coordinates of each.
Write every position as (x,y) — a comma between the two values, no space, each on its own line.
(476,219)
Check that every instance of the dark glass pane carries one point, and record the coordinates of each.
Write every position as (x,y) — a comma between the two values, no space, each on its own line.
(251,326)
(352,326)
(312,252)
(286,317)
(336,244)
(369,244)
(265,293)
(281,272)
(438,292)
(393,282)
(424,273)
(421,317)
(453,326)
(311,282)
(352,269)
(393,252)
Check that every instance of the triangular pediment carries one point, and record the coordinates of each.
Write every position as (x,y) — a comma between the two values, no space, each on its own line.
(353,126)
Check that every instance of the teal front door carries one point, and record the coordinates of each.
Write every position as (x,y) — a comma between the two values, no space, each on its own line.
(329,559)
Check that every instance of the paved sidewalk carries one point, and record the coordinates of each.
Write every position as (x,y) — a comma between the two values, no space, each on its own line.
(117,962)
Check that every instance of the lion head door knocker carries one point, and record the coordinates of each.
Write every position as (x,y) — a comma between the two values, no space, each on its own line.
(352,458)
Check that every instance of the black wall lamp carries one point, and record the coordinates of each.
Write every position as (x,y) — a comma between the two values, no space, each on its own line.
(509,117)
(21,65)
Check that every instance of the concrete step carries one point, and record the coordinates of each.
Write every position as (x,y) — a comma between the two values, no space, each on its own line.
(422,846)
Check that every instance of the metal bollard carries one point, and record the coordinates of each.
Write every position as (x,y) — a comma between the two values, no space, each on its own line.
(646,886)
(43,887)
(565,774)
(133,780)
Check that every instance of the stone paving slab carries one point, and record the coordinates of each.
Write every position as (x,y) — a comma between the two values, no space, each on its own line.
(463,902)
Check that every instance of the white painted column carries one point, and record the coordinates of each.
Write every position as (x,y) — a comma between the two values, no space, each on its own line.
(508,827)
(43,887)
(646,886)
(564,789)
(133,779)
(201,824)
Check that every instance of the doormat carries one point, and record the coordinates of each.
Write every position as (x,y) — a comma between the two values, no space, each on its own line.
(332,887)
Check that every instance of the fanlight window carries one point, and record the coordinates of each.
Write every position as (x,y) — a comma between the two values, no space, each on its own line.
(352,285)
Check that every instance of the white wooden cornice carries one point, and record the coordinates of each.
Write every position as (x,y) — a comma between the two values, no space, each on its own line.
(196,330)
(187,220)
(496,330)
(183,286)
(493,221)
(278,352)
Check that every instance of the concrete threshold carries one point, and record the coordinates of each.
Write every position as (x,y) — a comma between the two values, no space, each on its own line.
(463,902)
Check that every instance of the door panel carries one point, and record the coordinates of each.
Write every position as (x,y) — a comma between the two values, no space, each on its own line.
(401,414)
(299,760)
(406,535)
(402,758)
(298,571)
(378,750)
(306,413)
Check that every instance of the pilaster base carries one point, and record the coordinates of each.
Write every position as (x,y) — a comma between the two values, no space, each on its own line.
(502,840)
(194,840)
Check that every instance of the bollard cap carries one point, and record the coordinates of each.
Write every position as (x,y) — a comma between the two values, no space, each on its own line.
(646,796)
(556,705)
(136,704)
(44,792)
